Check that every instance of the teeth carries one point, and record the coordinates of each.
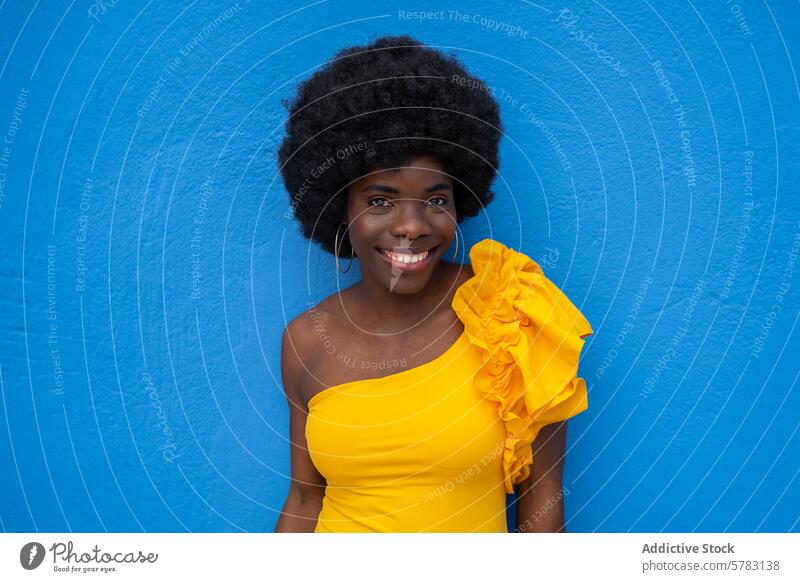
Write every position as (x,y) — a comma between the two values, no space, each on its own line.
(405,258)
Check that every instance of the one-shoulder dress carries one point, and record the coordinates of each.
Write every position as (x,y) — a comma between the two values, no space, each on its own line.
(436,448)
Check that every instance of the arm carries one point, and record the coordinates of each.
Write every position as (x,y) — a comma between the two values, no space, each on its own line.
(540,499)
(307,488)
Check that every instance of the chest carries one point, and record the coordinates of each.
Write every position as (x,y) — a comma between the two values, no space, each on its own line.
(345,360)
(428,421)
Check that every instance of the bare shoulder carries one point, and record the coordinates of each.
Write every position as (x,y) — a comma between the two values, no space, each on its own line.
(303,337)
(300,332)
(297,344)
(305,326)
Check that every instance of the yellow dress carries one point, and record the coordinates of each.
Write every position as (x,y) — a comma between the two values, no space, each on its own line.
(435,448)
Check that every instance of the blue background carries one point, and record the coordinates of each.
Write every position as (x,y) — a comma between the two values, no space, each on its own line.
(147,265)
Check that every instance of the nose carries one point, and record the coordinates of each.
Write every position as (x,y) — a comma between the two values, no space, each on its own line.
(410,221)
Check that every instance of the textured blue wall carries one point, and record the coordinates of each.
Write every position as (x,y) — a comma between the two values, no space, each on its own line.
(147,266)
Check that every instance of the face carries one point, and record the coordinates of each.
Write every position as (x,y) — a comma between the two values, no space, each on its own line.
(401,221)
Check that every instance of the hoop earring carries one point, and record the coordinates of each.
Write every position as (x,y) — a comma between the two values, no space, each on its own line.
(337,249)
(456,253)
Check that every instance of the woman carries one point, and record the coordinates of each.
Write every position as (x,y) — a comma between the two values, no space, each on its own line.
(423,394)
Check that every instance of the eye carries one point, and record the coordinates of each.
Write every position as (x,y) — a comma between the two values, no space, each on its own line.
(442,201)
(380,202)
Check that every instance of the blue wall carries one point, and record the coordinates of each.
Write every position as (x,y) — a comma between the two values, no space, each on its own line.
(147,266)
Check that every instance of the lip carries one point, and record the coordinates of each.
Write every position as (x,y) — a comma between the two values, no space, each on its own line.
(409,267)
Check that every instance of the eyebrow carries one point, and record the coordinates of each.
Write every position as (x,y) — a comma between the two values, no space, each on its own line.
(390,190)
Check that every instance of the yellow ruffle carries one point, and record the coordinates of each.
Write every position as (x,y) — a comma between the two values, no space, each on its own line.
(532,335)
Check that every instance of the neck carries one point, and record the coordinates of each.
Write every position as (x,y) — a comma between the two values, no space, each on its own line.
(397,312)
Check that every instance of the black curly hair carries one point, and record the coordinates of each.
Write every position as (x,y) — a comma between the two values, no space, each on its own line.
(382,104)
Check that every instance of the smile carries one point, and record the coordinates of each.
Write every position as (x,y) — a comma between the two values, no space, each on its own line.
(408,261)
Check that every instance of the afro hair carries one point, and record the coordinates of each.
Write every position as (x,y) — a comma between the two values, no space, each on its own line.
(381,105)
